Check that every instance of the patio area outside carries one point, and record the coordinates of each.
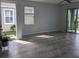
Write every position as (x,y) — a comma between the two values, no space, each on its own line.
(8,16)
(11,33)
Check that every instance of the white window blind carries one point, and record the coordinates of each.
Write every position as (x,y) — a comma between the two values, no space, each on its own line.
(29,15)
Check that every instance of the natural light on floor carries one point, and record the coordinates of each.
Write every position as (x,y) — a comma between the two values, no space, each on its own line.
(22,42)
(45,36)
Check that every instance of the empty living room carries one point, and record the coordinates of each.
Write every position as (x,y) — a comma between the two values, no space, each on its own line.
(39,28)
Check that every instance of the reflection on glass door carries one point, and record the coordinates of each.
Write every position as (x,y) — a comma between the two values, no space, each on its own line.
(78,22)
(72,15)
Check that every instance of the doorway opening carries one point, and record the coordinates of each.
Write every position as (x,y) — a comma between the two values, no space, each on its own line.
(8,18)
(78,23)
(73,20)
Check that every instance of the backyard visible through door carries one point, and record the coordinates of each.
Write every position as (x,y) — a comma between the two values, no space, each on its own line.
(78,22)
(73,20)
(8,18)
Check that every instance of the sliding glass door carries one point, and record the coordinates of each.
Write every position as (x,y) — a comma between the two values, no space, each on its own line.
(72,15)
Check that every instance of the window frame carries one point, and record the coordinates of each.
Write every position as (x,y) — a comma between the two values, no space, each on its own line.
(29,13)
(10,9)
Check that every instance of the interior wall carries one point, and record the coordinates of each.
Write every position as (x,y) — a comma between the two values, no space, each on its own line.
(0,17)
(19,16)
(46,19)
(64,12)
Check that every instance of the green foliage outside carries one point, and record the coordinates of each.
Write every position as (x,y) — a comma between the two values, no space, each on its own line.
(12,28)
(9,33)
(12,32)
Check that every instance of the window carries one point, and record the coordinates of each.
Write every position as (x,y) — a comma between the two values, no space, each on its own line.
(28,15)
(8,16)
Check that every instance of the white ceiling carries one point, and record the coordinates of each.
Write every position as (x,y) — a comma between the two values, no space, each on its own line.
(46,1)
(54,1)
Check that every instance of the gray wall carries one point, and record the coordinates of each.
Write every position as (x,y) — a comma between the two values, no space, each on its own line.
(63,14)
(46,19)
(0,16)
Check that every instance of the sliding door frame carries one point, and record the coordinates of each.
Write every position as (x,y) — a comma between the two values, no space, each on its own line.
(67,21)
(76,21)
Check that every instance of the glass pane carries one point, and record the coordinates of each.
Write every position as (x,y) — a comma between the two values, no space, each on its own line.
(28,15)
(28,10)
(11,13)
(7,14)
(71,20)
(9,20)
(29,19)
